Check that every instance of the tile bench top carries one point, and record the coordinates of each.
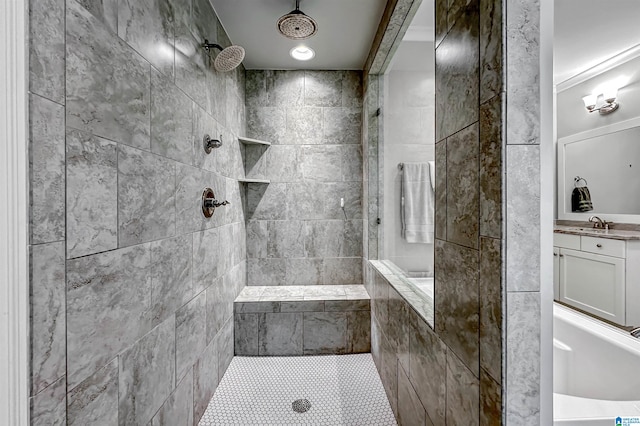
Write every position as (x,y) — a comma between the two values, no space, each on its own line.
(302,293)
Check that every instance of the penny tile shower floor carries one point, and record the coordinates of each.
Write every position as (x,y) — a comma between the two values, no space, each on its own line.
(342,390)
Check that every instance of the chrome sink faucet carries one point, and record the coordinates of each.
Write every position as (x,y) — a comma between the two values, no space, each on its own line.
(599,223)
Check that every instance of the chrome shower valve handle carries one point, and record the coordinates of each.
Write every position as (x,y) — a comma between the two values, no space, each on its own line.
(209,202)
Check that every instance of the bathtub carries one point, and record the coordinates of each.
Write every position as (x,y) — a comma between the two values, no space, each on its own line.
(596,371)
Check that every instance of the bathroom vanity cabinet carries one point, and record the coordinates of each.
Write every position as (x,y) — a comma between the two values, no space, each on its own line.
(599,275)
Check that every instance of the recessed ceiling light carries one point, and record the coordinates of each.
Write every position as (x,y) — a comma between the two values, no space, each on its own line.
(302,53)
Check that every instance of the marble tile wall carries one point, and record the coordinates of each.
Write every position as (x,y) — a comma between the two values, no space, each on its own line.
(131,293)
(297,232)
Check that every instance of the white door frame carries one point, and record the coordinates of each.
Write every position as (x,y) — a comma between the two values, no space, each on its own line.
(14,198)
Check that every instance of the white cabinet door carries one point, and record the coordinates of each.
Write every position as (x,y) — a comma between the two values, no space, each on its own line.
(593,283)
(556,273)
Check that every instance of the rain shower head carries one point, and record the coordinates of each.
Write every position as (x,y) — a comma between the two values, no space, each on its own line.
(228,59)
(296,25)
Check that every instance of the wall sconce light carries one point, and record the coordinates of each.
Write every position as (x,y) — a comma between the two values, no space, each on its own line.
(609,104)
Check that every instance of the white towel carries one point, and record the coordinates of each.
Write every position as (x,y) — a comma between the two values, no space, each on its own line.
(432,174)
(417,198)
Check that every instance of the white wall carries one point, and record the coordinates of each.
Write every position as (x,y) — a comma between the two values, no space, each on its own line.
(409,136)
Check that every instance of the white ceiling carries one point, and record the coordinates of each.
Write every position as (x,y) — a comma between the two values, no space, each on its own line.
(588,32)
(346,29)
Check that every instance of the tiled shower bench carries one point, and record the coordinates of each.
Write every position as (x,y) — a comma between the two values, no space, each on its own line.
(302,320)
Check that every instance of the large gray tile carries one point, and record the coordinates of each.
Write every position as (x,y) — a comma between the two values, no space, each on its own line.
(346,270)
(92,194)
(523,358)
(463,393)
(304,271)
(178,409)
(147,374)
(171,281)
(463,195)
(491,168)
(191,334)
(204,124)
(46,163)
(280,334)
(457,75)
(225,347)
(352,239)
(148,27)
(46,48)
(427,370)
(491,307)
(204,23)
(108,307)
(217,310)
(490,400)
(266,271)
(352,163)
(342,125)
(205,379)
(302,306)
(208,261)
(190,184)
(350,192)
(246,334)
(352,89)
(389,373)
(257,238)
(457,301)
(410,410)
(322,163)
(191,61)
(359,331)
(146,197)
(275,88)
(48,315)
(491,20)
(268,202)
(171,120)
(323,88)
(523,72)
(286,239)
(441,25)
(324,333)
(48,408)
(95,400)
(304,126)
(324,238)
(266,123)
(523,218)
(304,200)
(106,11)
(108,84)
(441,190)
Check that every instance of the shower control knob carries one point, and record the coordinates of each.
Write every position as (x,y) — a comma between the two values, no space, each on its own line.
(209,203)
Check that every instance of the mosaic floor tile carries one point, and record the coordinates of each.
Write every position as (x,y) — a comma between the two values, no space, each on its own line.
(341,389)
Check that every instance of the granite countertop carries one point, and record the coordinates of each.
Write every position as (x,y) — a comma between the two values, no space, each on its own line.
(612,234)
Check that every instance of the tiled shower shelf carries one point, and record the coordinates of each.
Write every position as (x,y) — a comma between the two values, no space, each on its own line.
(243,180)
(249,141)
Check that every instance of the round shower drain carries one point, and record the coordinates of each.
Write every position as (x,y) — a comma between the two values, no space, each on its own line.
(301,405)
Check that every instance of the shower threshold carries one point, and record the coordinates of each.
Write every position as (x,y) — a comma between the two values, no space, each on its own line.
(309,390)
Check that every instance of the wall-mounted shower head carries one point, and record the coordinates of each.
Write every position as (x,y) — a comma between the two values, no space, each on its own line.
(228,59)
(296,25)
